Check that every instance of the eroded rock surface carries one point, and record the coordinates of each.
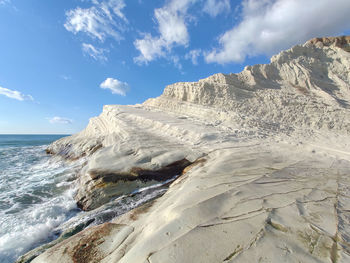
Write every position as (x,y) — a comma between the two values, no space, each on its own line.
(273,188)
(92,245)
(104,186)
(250,204)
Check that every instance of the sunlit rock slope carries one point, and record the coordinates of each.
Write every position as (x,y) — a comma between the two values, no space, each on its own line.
(265,160)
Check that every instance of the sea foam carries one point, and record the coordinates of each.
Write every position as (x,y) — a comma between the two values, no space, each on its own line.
(36,196)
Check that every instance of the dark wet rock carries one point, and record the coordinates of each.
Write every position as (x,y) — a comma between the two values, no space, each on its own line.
(103,187)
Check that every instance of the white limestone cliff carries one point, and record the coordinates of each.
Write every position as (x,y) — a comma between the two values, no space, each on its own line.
(270,174)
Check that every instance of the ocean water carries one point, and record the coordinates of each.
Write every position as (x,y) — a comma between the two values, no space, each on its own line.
(37,196)
(36,193)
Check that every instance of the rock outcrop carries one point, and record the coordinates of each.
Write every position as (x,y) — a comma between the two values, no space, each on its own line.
(341,42)
(273,188)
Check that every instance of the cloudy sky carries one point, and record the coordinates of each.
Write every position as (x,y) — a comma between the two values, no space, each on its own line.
(61,61)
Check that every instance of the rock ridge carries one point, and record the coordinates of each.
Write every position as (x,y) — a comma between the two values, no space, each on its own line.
(341,42)
(273,188)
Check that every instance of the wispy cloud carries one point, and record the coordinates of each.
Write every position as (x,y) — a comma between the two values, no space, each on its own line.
(216,7)
(94,52)
(269,26)
(103,19)
(65,77)
(60,120)
(4,2)
(193,55)
(14,94)
(115,86)
(171,20)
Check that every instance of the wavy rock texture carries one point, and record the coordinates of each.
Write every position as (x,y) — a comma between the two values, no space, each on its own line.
(274,183)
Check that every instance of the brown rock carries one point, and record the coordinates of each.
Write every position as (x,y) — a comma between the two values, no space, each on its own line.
(88,246)
(341,42)
(105,186)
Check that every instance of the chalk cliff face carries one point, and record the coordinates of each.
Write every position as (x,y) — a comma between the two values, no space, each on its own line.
(306,87)
(264,156)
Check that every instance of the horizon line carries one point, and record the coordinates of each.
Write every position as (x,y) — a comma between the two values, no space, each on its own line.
(35,133)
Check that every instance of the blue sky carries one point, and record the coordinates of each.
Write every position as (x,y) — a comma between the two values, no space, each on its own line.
(61,61)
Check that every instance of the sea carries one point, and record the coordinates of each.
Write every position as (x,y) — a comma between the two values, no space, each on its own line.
(37,196)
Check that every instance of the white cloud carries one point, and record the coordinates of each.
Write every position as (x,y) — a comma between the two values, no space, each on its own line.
(176,61)
(193,55)
(65,77)
(215,7)
(103,19)
(269,26)
(115,86)
(60,120)
(94,52)
(117,6)
(171,20)
(14,94)
(150,48)
(4,2)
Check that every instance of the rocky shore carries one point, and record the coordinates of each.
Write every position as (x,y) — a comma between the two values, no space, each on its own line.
(264,162)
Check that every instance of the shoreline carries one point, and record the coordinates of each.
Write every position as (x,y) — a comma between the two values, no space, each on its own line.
(275,142)
(86,219)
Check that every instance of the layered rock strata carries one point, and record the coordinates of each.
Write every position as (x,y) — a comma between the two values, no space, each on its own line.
(273,188)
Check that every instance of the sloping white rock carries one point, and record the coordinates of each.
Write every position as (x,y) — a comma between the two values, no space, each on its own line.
(274,183)
(252,203)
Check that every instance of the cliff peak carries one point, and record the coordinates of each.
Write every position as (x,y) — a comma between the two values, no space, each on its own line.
(340,41)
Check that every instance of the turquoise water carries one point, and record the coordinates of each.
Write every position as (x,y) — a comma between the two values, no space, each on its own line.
(36,193)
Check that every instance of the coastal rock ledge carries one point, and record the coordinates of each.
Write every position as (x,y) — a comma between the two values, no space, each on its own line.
(265,163)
